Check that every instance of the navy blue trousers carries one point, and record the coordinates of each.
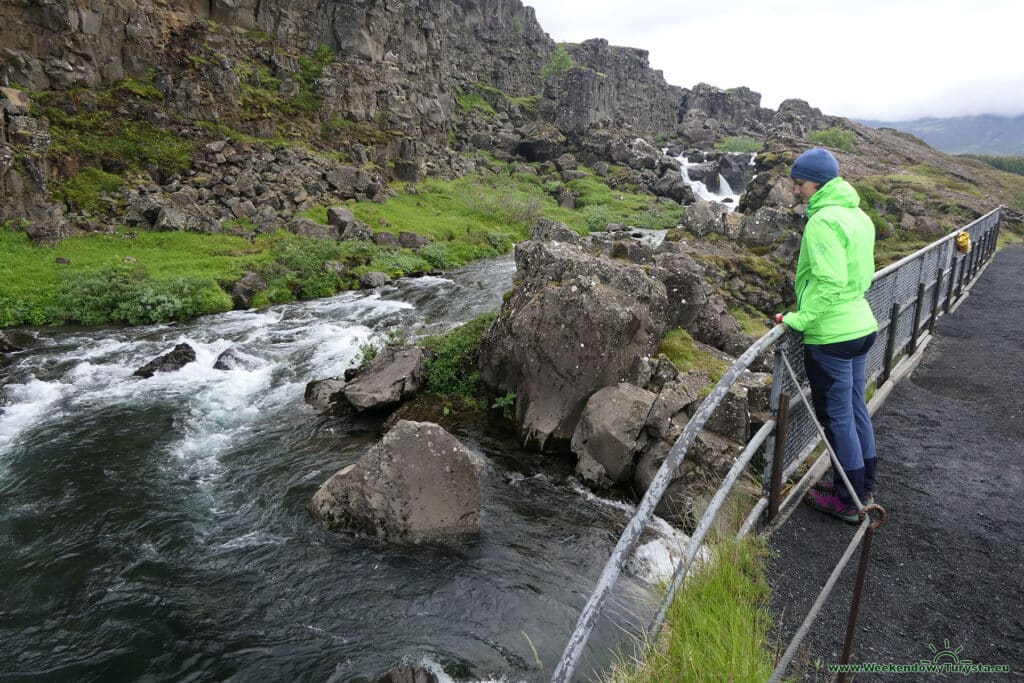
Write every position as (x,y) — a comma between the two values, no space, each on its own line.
(838,378)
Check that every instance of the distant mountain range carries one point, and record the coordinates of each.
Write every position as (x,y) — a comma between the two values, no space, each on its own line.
(985,134)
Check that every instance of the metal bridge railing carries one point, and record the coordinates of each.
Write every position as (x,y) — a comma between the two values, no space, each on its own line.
(907,298)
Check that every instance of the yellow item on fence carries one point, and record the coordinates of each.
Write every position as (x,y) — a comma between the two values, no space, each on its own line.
(963,242)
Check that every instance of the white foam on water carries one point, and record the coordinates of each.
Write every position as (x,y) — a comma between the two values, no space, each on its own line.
(591,497)
(25,405)
(442,676)
(251,539)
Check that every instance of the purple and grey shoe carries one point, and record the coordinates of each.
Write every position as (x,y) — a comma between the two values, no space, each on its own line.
(831,504)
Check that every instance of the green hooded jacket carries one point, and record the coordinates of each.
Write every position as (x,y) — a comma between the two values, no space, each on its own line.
(837,261)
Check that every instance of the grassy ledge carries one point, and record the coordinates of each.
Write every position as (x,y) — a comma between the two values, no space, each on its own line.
(718,627)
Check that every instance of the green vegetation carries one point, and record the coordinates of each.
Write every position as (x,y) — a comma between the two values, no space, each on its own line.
(144,89)
(83,190)
(310,69)
(452,372)
(100,135)
(739,143)
(1003,163)
(718,627)
(752,323)
(684,353)
(124,294)
(559,62)
(36,289)
(599,204)
(131,280)
(337,128)
(874,204)
(834,137)
(469,101)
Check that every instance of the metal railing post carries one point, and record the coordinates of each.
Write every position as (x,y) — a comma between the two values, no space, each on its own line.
(858,589)
(935,304)
(781,427)
(952,282)
(890,347)
(917,318)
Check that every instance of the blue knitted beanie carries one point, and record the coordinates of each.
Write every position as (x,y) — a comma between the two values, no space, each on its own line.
(817,165)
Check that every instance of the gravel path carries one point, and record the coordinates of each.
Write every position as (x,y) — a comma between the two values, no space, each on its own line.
(948,564)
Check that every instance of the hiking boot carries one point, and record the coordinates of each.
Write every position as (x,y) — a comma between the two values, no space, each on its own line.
(826,486)
(831,504)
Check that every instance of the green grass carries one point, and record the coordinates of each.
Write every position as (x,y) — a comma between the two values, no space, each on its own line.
(834,137)
(680,348)
(739,143)
(718,627)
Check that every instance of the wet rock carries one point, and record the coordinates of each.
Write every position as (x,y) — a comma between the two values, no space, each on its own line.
(704,218)
(374,279)
(700,474)
(408,674)
(395,374)
(731,418)
(554,231)
(767,225)
(575,324)
(357,231)
(323,394)
(5,344)
(243,291)
(233,359)
(340,216)
(608,434)
(417,484)
(688,293)
(175,359)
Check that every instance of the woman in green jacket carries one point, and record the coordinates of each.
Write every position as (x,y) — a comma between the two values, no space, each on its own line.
(837,262)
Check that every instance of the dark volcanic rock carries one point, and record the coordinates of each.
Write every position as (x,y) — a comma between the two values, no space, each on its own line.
(417,484)
(395,374)
(175,359)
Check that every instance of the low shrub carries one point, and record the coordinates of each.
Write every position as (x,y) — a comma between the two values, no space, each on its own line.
(834,137)
(453,370)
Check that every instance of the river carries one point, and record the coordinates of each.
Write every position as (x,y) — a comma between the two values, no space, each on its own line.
(156,529)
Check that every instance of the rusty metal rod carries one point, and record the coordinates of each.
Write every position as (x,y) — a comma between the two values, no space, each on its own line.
(781,429)
(858,588)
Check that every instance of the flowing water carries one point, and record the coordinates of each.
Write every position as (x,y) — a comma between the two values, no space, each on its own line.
(156,529)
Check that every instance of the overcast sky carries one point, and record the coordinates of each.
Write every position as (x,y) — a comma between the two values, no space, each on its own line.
(882,59)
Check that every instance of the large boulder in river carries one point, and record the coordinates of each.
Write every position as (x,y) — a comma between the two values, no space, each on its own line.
(395,374)
(175,359)
(323,394)
(5,345)
(417,484)
(574,324)
(609,433)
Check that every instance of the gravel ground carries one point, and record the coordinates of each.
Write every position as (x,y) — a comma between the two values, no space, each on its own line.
(948,564)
